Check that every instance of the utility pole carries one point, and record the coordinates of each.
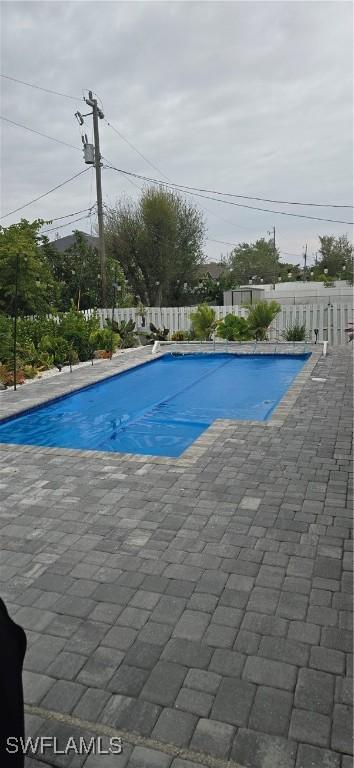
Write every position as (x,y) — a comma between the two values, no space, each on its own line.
(275,252)
(98,114)
(305,262)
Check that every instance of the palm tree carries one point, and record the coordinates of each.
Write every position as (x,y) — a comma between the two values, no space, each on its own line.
(203,322)
(260,315)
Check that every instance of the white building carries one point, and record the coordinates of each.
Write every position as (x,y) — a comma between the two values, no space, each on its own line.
(298,292)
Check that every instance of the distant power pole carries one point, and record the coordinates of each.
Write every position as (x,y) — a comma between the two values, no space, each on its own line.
(305,262)
(98,114)
(275,253)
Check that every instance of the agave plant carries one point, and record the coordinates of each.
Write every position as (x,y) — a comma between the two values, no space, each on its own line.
(157,334)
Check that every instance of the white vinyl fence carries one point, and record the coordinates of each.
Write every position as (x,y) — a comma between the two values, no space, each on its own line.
(331,320)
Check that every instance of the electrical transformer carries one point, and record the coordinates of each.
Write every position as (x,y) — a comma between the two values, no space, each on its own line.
(89,154)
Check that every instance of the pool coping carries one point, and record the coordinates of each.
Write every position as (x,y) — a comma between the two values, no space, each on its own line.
(194,452)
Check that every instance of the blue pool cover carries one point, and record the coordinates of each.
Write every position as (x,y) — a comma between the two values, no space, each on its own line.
(159,408)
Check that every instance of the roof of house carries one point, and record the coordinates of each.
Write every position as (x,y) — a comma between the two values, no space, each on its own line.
(62,243)
(214,268)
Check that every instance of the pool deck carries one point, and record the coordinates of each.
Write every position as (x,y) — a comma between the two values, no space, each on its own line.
(199,607)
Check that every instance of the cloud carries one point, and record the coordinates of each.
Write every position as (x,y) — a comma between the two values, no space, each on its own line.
(248,97)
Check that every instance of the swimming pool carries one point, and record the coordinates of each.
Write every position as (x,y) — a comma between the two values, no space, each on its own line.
(158,408)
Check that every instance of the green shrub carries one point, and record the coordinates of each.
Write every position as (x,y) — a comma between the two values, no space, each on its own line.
(180,336)
(295,332)
(327,280)
(61,351)
(103,338)
(260,315)
(34,330)
(43,342)
(29,371)
(6,340)
(7,376)
(73,356)
(76,330)
(27,352)
(45,361)
(203,322)
(234,328)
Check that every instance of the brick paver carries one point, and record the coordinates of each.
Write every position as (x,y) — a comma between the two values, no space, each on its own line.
(204,606)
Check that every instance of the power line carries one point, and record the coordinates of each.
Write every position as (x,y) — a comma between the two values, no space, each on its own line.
(133,147)
(74,213)
(58,186)
(222,242)
(68,223)
(287,253)
(39,133)
(133,183)
(225,194)
(181,188)
(267,199)
(40,88)
(185,189)
(156,168)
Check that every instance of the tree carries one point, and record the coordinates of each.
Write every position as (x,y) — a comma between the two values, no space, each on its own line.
(259,260)
(22,261)
(77,271)
(203,322)
(290,272)
(209,290)
(260,315)
(158,242)
(336,255)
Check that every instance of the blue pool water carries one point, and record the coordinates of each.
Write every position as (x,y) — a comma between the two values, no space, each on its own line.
(160,407)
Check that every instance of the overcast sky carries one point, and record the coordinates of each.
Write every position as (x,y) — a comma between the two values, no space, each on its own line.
(253,98)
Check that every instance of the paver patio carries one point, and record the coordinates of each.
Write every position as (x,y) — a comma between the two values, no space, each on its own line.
(200,609)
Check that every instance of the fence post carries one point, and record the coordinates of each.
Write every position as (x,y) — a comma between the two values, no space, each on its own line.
(321,327)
